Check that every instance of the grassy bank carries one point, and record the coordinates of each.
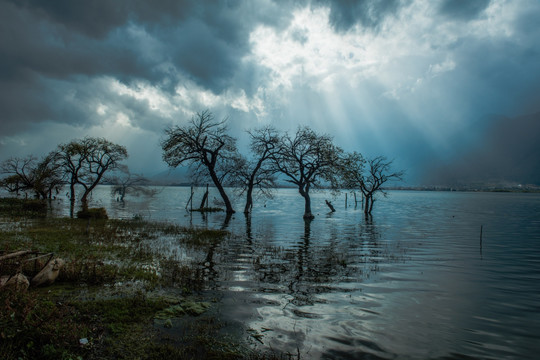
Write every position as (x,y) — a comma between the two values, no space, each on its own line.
(125,292)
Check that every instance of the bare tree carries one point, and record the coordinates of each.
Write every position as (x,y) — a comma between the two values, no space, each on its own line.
(204,144)
(49,175)
(86,161)
(20,173)
(11,183)
(27,174)
(368,175)
(258,173)
(307,160)
(127,182)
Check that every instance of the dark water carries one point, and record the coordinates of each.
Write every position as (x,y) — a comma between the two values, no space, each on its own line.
(412,282)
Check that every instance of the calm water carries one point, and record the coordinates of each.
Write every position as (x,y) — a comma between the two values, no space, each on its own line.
(413,282)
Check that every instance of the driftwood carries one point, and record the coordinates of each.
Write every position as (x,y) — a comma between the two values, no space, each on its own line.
(49,273)
(15,254)
(204,199)
(18,282)
(13,264)
(330,206)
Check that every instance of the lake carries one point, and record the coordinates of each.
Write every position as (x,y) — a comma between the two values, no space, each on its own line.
(416,281)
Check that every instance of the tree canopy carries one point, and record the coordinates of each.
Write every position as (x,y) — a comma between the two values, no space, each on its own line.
(86,161)
(257,173)
(203,143)
(307,160)
(29,174)
(367,175)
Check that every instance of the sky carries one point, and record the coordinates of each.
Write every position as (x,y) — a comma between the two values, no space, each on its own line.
(425,83)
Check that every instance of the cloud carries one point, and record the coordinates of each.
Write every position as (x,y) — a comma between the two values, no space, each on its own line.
(400,78)
(131,39)
(31,45)
(463,9)
(46,45)
(98,18)
(344,14)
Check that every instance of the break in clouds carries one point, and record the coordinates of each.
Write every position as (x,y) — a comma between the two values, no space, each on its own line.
(428,83)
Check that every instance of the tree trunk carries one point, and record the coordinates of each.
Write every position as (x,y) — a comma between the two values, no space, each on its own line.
(72,191)
(71,198)
(249,200)
(71,207)
(88,189)
(228,206)
(84,201)
(307,205)
(371,205)
(251,184)
(367,204)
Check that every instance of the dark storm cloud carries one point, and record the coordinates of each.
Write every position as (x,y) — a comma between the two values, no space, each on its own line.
(463,9)
(37,61)
(21,104)
(25,103)
(344,14)
(160,42)
(208,60)
(42,50)
(61,39)
(98,17)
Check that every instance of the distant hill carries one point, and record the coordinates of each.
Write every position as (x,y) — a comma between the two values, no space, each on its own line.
(508,152)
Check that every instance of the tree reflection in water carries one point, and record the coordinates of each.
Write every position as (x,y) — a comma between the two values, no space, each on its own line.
(295,282)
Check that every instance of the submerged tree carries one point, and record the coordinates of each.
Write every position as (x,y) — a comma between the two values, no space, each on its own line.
(258,173)
(204,144)
(27,174)
(86,162)
(126,182)
(307,160)
(367,175)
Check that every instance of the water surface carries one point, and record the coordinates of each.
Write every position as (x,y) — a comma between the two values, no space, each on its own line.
(414,281)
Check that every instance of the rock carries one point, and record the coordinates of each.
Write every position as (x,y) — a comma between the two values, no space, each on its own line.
(49,273)
(168,324)
(18,282)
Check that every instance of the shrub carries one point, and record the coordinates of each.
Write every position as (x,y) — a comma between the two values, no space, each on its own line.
(35,206)
(23,207)
(93,213)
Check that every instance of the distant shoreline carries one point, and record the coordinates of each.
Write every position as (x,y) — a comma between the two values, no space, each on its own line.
(502,189)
